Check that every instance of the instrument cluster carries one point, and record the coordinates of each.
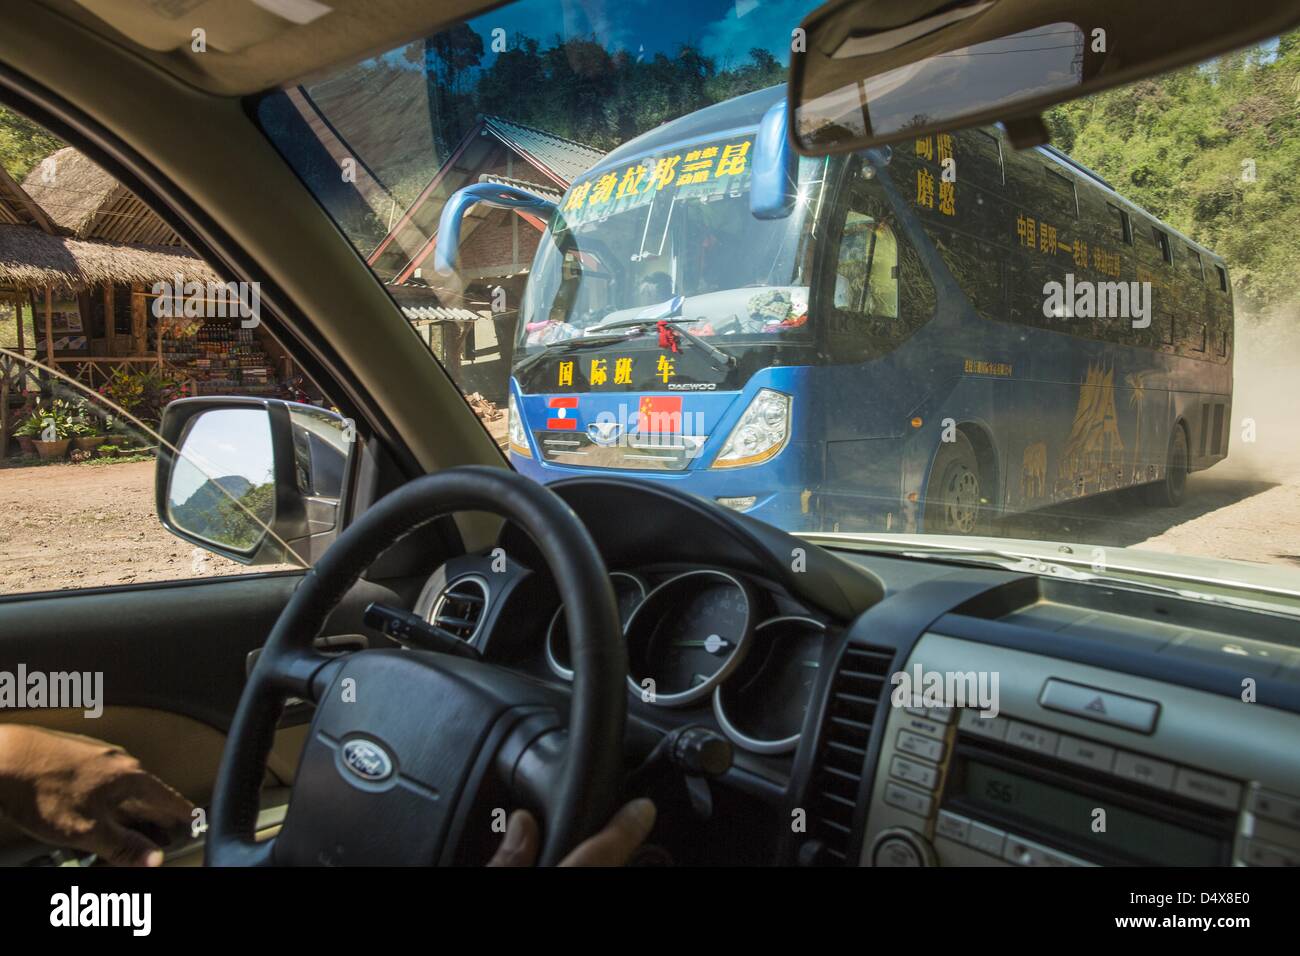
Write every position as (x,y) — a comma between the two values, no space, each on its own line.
(698,639)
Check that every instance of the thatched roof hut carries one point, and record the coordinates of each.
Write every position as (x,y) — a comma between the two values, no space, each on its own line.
(34,260)
(88,203)
(19,209)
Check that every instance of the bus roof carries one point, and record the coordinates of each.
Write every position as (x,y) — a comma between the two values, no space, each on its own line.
(738,113)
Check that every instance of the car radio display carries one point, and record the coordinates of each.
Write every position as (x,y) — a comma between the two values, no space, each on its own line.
(1127,833)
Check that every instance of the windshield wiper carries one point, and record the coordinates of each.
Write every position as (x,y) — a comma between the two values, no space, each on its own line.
(567,345)
(715,353)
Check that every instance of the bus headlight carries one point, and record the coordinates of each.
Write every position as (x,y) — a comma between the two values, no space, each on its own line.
(761,433)
(515,429)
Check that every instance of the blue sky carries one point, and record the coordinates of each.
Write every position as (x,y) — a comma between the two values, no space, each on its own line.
(724,29)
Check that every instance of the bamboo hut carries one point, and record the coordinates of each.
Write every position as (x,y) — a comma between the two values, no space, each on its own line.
(84,253)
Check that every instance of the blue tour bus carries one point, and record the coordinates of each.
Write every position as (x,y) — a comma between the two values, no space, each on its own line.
(906,339)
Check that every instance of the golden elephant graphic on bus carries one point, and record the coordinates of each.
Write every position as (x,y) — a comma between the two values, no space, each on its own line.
(1033,471)
(1093,457)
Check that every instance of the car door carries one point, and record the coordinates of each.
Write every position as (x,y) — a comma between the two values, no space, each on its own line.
(114,629)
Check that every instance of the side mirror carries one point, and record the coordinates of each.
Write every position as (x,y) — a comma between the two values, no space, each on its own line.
(490,194)
(774,183)
(259,481)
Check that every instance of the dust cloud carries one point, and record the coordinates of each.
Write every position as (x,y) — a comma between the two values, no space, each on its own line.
(1266,397)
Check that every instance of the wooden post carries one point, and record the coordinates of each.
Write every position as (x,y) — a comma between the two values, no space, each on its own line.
(49,326)
(6,362)
(158,329)
(110,321)
(18,319)
(139,320)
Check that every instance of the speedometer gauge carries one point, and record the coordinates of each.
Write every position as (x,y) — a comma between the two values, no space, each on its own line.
(629,592)
(761,707)
(687,636)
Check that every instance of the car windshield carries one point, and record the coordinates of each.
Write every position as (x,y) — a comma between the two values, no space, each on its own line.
(1080,351)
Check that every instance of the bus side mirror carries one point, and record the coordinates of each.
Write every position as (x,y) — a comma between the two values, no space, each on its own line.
(773,184)
(490,194)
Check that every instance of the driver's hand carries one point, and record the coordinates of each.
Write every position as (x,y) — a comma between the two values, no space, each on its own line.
(612,846)
(74,791)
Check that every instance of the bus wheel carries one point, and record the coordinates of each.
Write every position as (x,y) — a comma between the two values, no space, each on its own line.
(953,498)
(1170,492)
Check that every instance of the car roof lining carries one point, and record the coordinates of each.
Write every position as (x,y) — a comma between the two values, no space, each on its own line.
(249,48)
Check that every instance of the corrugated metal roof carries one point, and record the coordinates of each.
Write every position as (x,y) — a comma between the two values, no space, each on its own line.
(563,157)
(552,194)
(429,313)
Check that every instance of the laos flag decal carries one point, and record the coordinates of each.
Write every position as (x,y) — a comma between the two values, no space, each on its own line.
(564,412)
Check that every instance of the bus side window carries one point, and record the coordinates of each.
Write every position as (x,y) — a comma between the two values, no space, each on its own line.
(866,270)
(1161,240)
(1061,195)
(881,292)
(1124,226)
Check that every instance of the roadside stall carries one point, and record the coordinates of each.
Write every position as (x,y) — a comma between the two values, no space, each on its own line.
(104,292)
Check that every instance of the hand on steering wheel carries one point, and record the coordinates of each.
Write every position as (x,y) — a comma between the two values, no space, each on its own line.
(612,846)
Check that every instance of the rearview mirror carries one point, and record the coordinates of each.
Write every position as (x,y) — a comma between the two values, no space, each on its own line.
(259,481)
(881,71)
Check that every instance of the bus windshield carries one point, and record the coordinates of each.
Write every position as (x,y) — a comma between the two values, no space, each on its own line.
(672,236)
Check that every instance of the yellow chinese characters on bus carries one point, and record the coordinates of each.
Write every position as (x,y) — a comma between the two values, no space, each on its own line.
(940,192)
(699,165)
(599,370)
(981,367)
(1042,236)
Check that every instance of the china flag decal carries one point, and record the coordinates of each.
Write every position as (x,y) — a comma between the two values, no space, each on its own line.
(565,412)
(660,413)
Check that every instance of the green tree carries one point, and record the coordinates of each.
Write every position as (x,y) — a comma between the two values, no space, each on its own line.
(23,143)
(1212,150)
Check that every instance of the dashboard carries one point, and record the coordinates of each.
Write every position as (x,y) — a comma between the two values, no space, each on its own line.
(884,710)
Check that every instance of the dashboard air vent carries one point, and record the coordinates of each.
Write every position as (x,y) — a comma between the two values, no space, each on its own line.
(459,608)
(856,690)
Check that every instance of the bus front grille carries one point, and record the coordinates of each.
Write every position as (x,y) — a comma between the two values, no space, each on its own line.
(653,452)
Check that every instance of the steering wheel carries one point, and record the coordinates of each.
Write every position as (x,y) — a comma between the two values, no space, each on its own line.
(403,741)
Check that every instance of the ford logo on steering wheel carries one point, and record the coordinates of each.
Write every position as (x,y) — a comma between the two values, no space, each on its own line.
(367,759)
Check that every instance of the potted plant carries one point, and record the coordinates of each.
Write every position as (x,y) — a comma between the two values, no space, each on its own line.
(27,431)
(86,430)
(52,432)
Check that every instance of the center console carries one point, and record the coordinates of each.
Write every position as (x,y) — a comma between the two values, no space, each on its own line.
(1080,766)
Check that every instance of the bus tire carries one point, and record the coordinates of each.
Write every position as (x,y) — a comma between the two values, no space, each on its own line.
(954,496)
(1172,489)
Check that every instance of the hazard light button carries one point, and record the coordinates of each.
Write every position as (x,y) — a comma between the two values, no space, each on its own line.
(1107,707)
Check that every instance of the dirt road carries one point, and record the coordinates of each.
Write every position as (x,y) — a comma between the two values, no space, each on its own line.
(1246,508)
(78,526)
